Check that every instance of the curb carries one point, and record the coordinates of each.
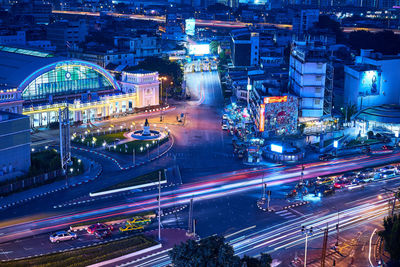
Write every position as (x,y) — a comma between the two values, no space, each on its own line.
(298,204)
(100,171)
(130,166)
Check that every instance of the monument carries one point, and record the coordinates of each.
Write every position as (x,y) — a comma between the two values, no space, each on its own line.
(146,128)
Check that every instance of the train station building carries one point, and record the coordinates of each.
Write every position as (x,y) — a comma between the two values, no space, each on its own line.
(37,84)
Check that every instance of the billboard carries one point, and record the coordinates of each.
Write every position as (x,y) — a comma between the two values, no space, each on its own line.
(275,99)
(276,148)
(369,83)
(190,26)
(199,49)
(262,118)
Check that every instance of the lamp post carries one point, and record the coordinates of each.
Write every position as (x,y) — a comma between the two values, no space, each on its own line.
(148,151)
(307,232)
(134,160)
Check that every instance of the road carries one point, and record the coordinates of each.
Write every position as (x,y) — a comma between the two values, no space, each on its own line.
(225,190)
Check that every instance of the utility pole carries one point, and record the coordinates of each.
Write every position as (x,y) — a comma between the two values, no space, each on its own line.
(194,227)
(159,206)
(337,230)
(324,245)
(190,216)
(134,159)
(269,197)
(307,232)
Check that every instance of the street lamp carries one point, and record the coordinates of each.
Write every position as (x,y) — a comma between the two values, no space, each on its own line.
(307,232)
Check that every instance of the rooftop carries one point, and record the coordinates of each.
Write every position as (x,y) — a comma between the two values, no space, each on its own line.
(389,113)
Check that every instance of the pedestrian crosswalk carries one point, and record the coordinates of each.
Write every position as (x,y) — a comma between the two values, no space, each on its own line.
(285,214)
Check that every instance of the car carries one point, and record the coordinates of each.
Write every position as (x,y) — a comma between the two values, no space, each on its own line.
(326,157)
(91,229)
(349,175)
(131,227)
(225,116)
(388,168)
(139,220)
(62,236)
(325,180)
(342,183)
(387,147)
(101,233)
(224,121)
(224,127)
(389,174)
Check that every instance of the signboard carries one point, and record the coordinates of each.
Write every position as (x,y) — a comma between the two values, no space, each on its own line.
(262,118)
(369,83)
(275,99)
(276,148)
(190,27)
(199,49)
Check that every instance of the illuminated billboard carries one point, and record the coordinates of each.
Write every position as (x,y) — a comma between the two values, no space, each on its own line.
(262,118)
(369,83)
(276,148)
(199,49)
(190,26)
(275,99)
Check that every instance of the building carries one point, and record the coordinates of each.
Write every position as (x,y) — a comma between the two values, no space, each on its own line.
(127,51)
(145,84)
(303,20)
(15,140)
(13,38)
(66,34)
(372,80)
(45,83)
(173,29)
(10,99)
(311,79)
(245,47)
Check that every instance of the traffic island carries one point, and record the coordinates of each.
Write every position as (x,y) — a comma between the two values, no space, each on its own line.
(88,255)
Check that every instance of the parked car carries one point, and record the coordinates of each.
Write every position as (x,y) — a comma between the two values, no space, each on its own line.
(224,127)
(387,147)
(326,157)
(62,236)
(91,229)
(101,233)
(225,116)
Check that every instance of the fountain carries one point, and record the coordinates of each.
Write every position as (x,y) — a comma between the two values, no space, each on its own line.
(146,133)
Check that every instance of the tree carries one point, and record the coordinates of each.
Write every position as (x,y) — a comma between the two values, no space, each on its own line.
(213,251)
(391,238)
(348,111)
(214,47)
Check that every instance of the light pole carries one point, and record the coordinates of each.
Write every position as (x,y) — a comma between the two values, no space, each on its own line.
(307,232)
(134,160)
(159,206)
(148,151)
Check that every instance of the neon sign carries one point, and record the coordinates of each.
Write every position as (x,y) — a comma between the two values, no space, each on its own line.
(262,118)
(275,99)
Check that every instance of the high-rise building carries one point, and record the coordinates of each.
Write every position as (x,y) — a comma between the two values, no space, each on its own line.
(310,78)
(304,19)
(65,34)
(245,47)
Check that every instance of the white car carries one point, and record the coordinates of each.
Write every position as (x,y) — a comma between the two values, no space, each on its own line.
(224,127)
(388,168)
(225,116)
(62,236)
(389,174)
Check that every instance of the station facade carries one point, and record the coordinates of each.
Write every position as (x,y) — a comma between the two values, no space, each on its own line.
(39,84)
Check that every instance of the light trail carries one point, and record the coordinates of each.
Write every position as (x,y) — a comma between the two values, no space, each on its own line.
(220,187)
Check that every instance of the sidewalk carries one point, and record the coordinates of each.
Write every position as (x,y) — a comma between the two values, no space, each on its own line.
(90,174)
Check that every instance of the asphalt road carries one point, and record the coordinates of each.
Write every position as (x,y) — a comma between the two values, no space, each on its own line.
(225,191)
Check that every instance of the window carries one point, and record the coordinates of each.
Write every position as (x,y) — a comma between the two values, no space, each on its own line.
(318,90)
(317,101)
(318,78)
